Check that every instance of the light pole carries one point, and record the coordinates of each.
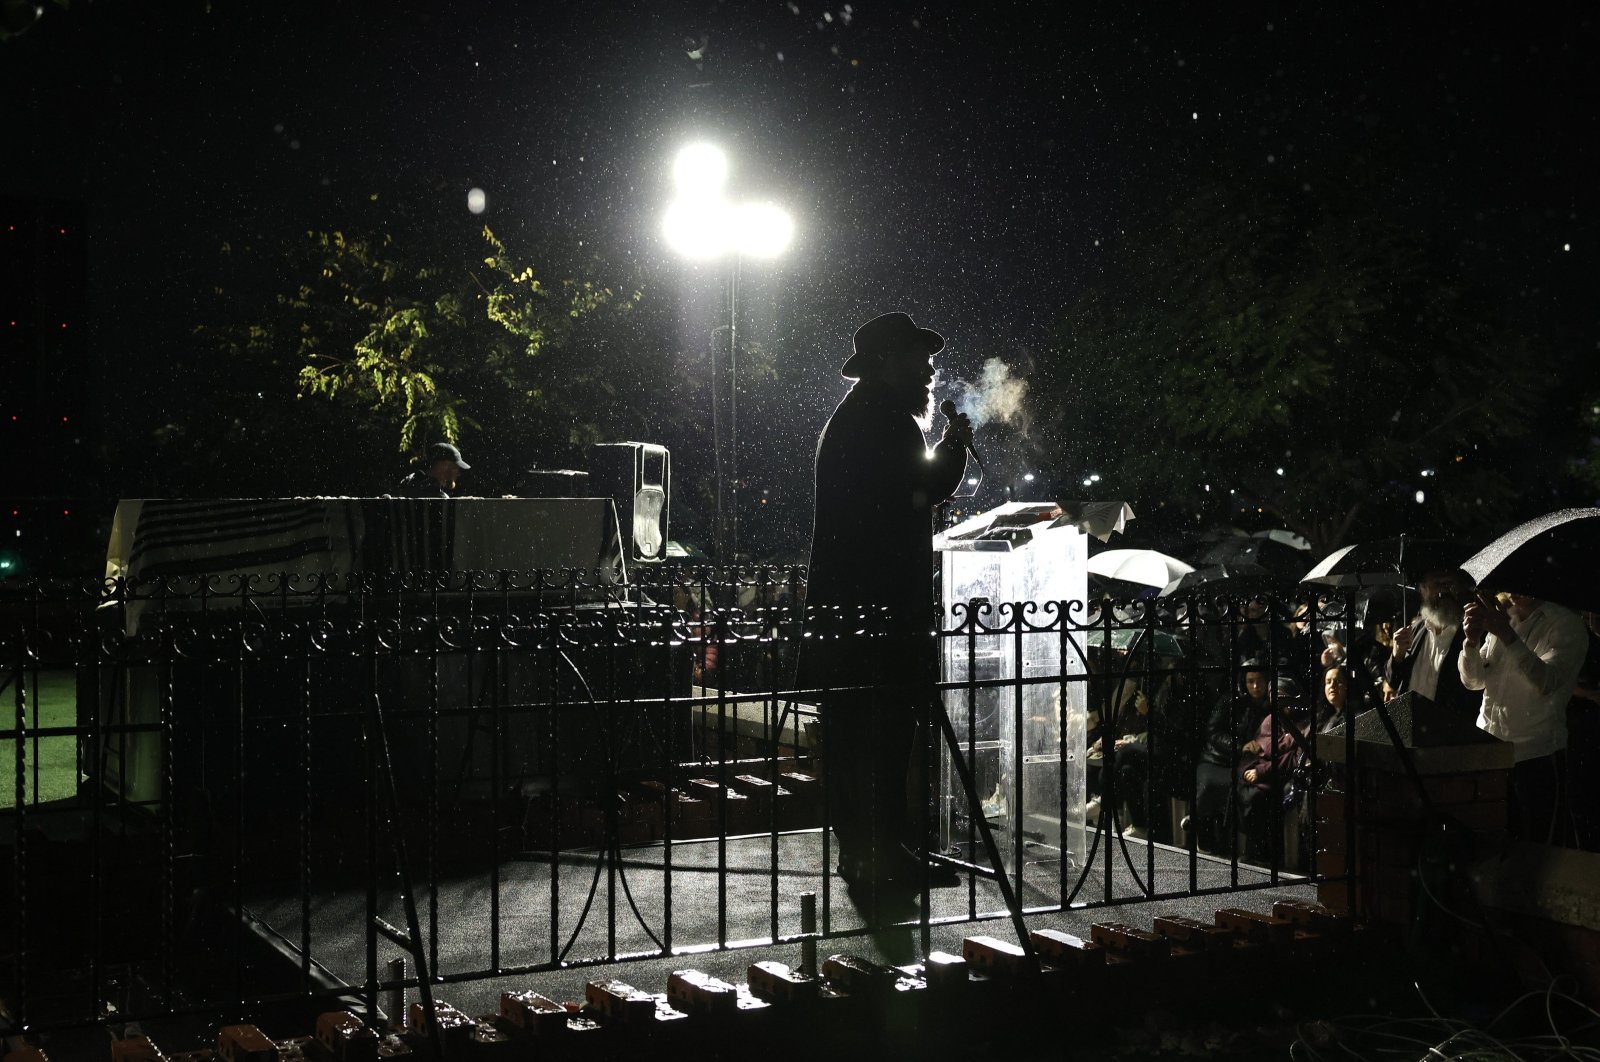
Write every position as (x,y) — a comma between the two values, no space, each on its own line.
(701,224)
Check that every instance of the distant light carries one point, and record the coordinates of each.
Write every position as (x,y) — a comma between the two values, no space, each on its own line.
(476,200)
(762,230)
(700,170)
(698,228)
(1566,247)
(972,482)
(700,224)
(1094,477)
(1027,477)
(1195,115)
(1086,482)
(1421,497)
(1208,488)
(1280,471)
(1430,472)
(5,565)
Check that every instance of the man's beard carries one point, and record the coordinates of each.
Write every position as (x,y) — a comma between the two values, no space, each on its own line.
(1443,613)
(917,401)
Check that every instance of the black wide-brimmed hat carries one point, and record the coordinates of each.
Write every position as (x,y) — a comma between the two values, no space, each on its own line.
(889,334)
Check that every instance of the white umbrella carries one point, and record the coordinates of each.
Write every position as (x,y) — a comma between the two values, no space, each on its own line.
(1284,537)
(1147,567)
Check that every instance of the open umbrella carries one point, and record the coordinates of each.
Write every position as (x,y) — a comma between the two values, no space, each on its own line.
(1398,561)
(1284,537)
(1285,555)
(1225,580)
(1555,557)
(1147,567)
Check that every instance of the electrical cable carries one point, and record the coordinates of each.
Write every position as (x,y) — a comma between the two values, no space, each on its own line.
(1437,1038)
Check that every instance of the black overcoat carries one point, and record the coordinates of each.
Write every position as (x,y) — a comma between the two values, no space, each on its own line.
(877,483)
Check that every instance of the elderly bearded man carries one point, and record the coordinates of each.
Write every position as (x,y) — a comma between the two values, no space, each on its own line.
(872,571)
(1424,654)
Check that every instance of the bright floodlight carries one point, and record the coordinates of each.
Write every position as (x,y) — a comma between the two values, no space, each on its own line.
(700,170)
(762,230)
(698,229)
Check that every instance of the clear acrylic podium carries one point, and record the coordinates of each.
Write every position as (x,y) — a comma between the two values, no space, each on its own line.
(1022,756)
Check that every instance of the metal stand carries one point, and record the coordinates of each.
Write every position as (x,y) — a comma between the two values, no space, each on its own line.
(375,733)
(610,857)
(995,869)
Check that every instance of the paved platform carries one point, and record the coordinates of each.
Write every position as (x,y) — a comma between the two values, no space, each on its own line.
(722,932)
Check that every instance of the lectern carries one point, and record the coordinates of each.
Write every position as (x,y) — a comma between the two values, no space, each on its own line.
(1025,741)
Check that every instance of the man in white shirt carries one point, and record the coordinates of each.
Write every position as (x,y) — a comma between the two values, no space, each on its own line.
(1525,659)
(1424,654)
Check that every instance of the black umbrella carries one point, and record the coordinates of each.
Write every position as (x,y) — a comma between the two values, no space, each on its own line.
(1226,580)
(1281,552)
(1401,560)
(1555,557)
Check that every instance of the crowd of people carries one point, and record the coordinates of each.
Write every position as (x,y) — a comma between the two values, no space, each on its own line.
(1232,738)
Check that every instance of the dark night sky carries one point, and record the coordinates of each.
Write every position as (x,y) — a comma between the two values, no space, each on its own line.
(971,165)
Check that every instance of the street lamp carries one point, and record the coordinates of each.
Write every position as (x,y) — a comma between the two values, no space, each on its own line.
(702,225)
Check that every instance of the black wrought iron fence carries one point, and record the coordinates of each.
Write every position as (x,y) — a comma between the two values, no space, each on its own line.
(234,791)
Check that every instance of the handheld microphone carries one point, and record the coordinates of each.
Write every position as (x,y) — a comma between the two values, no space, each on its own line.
(948,409)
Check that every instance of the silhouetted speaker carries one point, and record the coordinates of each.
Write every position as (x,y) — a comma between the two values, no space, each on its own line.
(1420,724)
(637,477)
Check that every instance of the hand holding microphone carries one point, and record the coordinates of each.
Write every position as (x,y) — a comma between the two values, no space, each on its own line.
(959,428)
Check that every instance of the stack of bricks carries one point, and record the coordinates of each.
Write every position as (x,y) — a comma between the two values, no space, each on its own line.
(1392,823)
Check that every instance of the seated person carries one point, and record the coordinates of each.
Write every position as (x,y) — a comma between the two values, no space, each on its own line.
(1331,709)
(1267,763)
(1234,723)
(1129,713)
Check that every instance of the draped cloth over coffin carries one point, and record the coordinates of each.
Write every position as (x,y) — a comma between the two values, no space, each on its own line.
(233,540)
(217,554)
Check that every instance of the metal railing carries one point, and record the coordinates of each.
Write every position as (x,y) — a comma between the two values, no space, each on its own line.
(235,791)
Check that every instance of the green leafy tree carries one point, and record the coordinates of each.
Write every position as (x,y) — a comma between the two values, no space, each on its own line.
(376,350)
(1264,355)
(429,350)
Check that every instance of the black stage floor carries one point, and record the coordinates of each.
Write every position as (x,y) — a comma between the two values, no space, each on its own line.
(719,935)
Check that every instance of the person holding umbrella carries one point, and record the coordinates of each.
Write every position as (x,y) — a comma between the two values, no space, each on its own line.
(1424,655)
(1525,658)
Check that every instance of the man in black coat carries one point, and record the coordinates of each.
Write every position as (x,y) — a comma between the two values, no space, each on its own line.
(1424,656)
(871,614)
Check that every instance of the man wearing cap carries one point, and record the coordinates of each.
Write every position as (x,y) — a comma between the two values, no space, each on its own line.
(871,613)
(437,476)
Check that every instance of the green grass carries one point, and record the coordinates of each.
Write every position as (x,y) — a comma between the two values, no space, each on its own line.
(52,701)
